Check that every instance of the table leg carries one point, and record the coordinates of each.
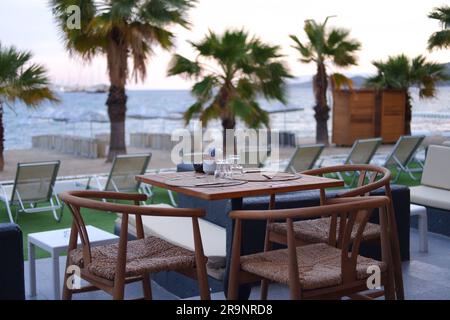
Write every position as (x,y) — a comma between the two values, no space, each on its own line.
(32,268)
(56,280)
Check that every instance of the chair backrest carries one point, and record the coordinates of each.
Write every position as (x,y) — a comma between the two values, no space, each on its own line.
(34,181)
(124,170)
(436,172)
(404,150)
(305,157)
(350,212)
(87,199)
(363,151)
(370,178)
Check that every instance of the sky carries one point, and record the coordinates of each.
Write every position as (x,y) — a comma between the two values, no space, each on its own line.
(385,27)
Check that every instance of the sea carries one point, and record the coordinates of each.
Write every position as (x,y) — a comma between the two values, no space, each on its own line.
(160,111)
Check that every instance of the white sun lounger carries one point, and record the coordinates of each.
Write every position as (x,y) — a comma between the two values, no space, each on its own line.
(32,190)
(401,156)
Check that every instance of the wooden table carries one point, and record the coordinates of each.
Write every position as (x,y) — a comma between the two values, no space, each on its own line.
(249,189)
(236,194)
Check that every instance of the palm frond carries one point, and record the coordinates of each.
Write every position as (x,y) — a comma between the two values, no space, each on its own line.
(182,66)
(401,72)
(440,40)
(248,69)
(191,111)
(21,80)
(203,90)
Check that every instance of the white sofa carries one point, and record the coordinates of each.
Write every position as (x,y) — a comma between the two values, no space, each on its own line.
(434,191)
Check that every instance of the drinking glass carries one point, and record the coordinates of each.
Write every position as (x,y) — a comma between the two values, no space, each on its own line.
(220,170)
(235,166)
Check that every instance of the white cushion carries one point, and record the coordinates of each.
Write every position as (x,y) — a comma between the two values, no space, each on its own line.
(179,232)
(431,197)
(436,172)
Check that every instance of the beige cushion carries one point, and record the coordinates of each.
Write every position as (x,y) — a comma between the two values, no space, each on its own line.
(178,231)
(319,266)
(431,197)
(436,172)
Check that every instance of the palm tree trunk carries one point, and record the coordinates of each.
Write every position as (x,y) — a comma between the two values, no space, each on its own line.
(117,108)
(117,56)
(228,119)
(2,139)
(228,124)
(322,110)
(408,114)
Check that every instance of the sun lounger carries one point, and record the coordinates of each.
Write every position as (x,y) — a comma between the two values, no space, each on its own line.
(32,190)
(121,178)
(401,156)
(362,152)
(304,158)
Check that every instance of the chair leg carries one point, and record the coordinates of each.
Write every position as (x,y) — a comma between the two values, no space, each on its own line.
(202,278)
(56,216)
(67,293)
(423,233)
(8,210)
(389,290)
(411,174)
(172,199)
(264,289)
(119,289)
(147,286)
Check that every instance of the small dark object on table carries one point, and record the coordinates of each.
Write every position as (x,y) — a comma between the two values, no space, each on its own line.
(198,168)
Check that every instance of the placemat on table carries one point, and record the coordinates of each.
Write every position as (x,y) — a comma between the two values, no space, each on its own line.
(203,182)
(265,176)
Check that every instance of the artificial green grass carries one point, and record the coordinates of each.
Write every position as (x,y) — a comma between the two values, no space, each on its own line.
(39,222)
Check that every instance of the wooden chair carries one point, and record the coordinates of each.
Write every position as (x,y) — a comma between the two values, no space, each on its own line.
(110,267)
(325,229)
(320,270)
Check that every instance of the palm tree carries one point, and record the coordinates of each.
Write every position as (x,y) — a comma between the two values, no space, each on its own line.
(122,30)
(232,70)
(325,46)
(401,72)
(440,39)
(20,80)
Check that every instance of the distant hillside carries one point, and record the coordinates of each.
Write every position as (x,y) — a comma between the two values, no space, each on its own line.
(358,80)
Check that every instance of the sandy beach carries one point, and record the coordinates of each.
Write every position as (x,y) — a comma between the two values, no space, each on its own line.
(74,166)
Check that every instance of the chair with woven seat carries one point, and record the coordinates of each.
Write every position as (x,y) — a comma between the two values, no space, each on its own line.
(319,270)
(325,229)
(319,230)
(110,267)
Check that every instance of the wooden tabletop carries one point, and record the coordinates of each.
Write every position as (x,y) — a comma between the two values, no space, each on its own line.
(249,189)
